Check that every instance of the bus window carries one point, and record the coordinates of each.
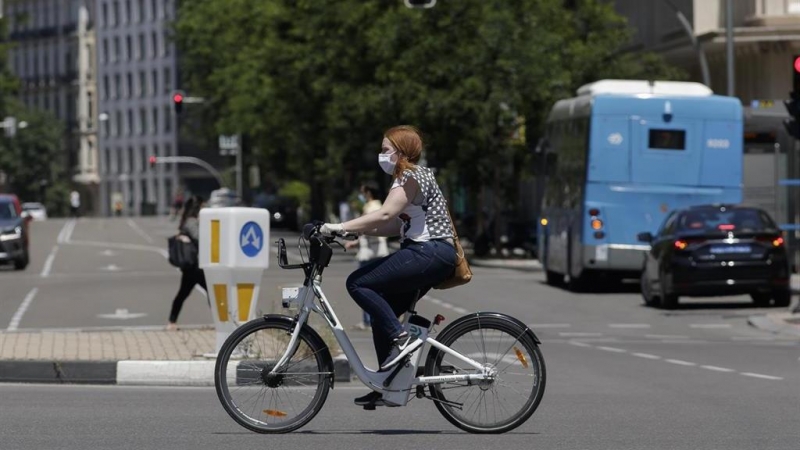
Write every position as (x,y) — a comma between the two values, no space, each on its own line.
(667,139)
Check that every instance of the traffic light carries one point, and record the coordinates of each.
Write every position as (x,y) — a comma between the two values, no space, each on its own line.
(792,124)
(420,3)
(152,160)
(177,100)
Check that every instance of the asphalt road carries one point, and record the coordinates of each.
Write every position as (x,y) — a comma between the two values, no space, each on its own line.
(620,375)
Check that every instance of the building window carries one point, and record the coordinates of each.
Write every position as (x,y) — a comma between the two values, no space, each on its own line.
(117,50)
(154,83)
(116,12)
(130,159)
(128,15)
(155,120)
(142,84)
(117,86)
(130,84)
(142,47)
(144,160)
(105,15)
(141,10)
(106,87)
(167,9)
(167,80)
(142,121)
(129,48)
(166,44)
(154,45)
(167,119)
(153,9)
(118,124)
(130,121)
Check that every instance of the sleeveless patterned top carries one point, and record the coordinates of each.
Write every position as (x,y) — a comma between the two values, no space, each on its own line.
(426,216)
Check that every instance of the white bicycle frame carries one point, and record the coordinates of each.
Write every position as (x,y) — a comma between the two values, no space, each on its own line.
(397,392)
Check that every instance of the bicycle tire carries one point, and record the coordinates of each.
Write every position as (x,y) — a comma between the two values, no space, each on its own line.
(488,321)
(322,359)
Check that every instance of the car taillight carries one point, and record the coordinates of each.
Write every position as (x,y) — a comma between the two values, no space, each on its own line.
(776,241)
(681,244)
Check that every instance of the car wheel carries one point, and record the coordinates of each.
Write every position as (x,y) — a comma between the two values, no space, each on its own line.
(668,299)
(761,298)
(782,297)
(645,288)
(22,263)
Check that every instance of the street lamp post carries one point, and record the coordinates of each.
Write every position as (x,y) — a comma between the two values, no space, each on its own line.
(701,54)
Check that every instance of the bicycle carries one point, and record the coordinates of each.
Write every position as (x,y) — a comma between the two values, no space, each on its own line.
(301,365)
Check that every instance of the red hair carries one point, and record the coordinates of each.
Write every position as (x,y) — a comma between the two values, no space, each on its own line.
(407,140)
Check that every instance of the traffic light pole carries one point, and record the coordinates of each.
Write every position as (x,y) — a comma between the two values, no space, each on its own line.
(188,160)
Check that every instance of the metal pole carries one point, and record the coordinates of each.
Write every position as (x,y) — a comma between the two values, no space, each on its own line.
(192,160)
(701,54)
(239,170)
(729,45)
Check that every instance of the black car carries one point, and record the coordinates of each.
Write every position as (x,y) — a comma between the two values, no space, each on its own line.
(13,232)
(713,250)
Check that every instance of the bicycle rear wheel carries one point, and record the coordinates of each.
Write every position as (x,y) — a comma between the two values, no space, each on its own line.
(492,406)
(267,402)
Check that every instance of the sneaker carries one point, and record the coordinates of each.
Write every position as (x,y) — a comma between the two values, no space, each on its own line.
(402,346)
(373,397)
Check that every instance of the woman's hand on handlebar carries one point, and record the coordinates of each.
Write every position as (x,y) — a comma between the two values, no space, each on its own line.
(328,230)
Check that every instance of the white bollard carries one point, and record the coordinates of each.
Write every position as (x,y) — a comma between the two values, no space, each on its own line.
(234,251)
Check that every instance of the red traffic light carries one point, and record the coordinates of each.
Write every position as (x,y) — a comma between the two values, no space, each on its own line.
(178,98)
(797,64)
(152,161)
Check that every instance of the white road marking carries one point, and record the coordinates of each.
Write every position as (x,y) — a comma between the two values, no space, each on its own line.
(646,355)
(718,369)
(66,231)
(680,362)
(48,263)
(629,325)
(578,334)
(549,325)
(15,320)
(758,375)
(460,310)
(665,336)
(612,349)
(140,231)
(752,338)
(710,325)
(580,344)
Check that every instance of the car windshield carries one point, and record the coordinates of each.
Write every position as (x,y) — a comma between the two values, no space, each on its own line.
(739,219)
(7,210)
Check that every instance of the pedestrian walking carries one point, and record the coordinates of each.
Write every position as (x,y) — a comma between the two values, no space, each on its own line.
(189,228)
(370,248)
(74,203)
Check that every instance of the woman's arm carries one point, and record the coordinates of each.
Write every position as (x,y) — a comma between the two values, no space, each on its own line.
(382,222)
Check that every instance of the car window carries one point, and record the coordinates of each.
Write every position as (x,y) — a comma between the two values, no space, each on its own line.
(668,225)
(740,219)
(7,210)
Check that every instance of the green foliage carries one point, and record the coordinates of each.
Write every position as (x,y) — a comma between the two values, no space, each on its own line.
(298,191)
(314,83)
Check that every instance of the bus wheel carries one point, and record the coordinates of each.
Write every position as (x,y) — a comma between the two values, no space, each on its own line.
(554,278)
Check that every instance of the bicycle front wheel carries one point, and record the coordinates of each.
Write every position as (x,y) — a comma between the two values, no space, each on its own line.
(495,405)
(267,402)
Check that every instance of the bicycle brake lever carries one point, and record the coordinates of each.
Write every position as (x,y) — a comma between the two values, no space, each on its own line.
(340,245)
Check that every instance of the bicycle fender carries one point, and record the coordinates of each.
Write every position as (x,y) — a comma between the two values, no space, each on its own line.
(494,315)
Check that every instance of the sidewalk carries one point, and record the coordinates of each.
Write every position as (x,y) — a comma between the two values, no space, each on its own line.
(146,356)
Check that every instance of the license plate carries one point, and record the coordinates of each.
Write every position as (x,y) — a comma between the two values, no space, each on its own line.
(725,249)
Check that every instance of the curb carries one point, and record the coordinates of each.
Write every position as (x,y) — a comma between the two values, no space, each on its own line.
(130,373)
(774,323)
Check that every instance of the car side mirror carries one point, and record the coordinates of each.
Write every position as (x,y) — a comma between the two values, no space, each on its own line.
(645,237)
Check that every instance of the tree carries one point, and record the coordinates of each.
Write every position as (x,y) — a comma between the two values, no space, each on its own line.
(315,82)
(30,160)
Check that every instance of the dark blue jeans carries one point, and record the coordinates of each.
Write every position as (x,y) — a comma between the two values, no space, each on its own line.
(386,287)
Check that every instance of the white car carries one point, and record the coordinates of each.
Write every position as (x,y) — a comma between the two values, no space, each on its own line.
(35,210)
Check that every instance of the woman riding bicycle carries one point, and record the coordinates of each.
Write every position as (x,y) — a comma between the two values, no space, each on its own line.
(416,210)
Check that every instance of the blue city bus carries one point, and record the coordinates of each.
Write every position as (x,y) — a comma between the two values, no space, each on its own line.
(617,158)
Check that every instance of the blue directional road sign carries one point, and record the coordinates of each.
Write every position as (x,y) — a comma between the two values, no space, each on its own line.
(251,239)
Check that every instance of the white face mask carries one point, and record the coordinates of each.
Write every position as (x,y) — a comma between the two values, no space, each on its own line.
(385,160)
